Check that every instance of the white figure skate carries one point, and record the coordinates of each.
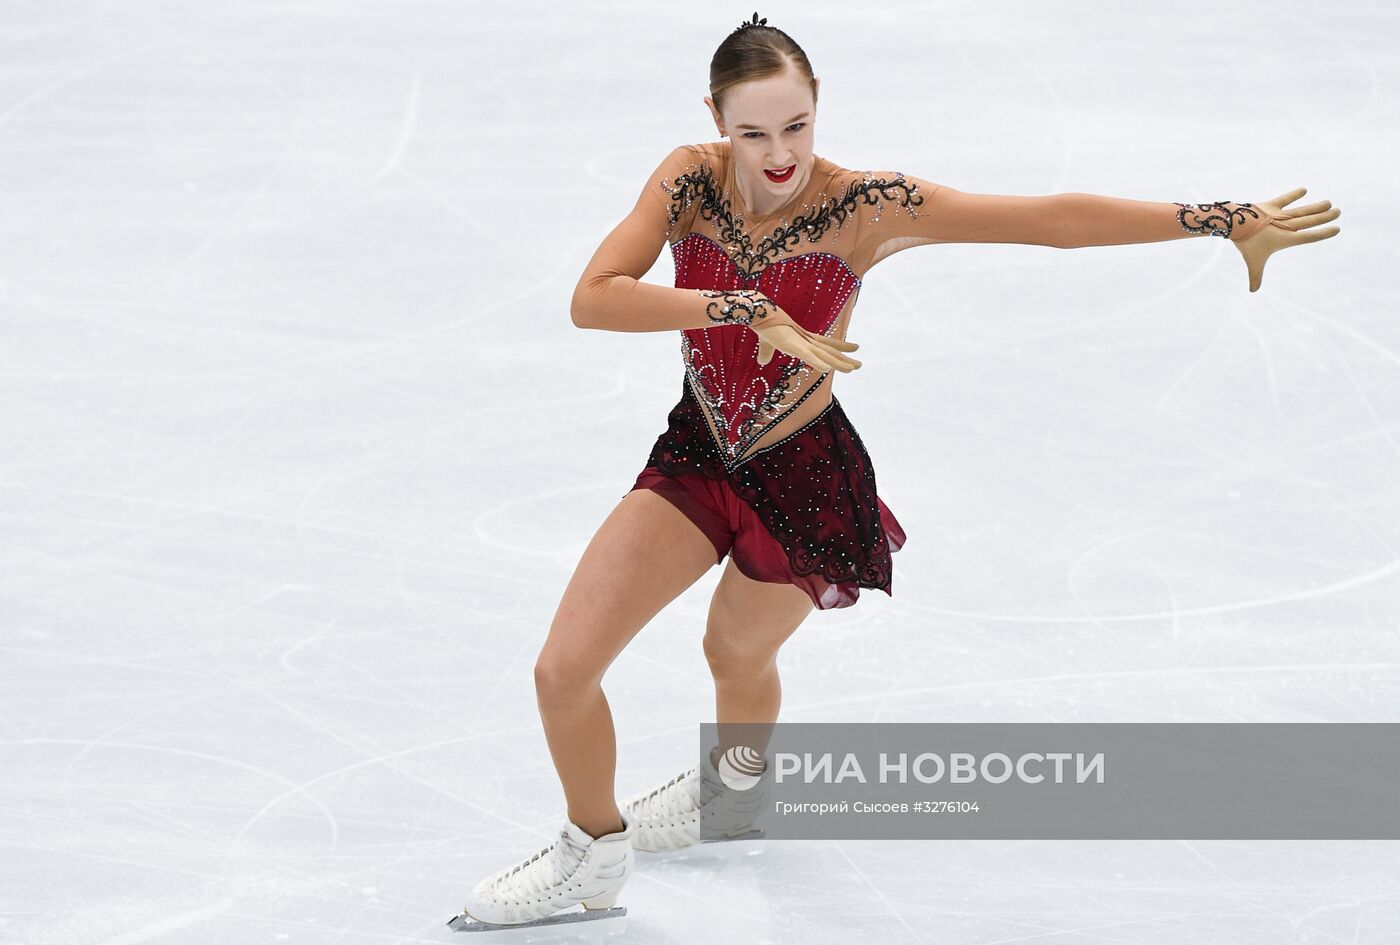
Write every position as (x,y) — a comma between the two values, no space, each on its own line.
(575,869)
(670,817)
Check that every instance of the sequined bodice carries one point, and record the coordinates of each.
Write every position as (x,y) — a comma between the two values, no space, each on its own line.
(808,257)
(743,399)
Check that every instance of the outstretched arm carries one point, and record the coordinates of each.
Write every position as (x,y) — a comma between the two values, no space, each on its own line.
(924,212)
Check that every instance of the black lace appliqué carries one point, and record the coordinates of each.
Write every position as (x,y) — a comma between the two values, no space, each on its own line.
(736,306)
(1215,219)
(715,205)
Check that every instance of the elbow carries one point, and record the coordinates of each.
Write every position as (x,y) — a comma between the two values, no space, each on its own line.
(1067,238)
(1062,233)
(579,309)
(591,301)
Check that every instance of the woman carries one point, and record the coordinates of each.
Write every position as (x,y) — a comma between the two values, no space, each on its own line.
(758,461)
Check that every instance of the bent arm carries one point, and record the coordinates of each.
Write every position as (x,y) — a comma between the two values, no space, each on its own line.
(611,296)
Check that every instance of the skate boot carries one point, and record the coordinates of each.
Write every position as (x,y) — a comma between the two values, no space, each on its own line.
(671,817)
(575,869)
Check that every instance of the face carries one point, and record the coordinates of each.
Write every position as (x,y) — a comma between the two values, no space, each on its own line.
(769,123)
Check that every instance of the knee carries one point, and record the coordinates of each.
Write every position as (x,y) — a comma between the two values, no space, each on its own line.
(729,657)
(561,679)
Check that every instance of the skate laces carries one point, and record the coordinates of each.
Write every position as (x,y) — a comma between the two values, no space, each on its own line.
(550,866)
(676,796)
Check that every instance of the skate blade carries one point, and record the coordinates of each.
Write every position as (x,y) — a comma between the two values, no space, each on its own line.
(466,923)
(751,835)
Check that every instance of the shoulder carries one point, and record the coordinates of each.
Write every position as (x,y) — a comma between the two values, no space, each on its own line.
(684,156)
(681,183)
(712,150)
(868,186)
(685,167)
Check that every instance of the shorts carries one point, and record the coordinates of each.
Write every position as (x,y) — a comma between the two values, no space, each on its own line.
(803,510)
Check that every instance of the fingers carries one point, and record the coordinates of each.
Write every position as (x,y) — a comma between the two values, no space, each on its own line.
(1315,235)
(824,359)
(820,351)
(1309,208)
(843,363)
(821,360)
(1302,224)
(793,341)
(815,356)
(1315,219)
(807,354)
(839,344)
(831,350)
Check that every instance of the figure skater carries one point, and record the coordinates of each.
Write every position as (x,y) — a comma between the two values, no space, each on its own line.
(758,462)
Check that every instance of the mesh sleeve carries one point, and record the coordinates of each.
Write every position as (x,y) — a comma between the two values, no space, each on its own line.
(917,212)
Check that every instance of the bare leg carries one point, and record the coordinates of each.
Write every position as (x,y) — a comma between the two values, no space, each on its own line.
(643,556)
(749,620)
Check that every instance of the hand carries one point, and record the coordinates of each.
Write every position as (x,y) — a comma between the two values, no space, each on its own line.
(778,331)
(1284,228)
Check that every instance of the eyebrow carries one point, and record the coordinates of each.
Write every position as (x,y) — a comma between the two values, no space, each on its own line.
(788,122)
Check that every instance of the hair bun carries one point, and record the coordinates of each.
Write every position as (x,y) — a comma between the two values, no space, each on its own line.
(754,22)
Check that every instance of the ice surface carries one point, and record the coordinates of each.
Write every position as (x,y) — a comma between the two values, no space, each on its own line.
(300,447)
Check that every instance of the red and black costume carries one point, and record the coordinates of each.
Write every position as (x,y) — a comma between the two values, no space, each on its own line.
(761,456)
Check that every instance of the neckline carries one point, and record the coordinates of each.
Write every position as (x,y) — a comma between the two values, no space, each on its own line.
(731,183)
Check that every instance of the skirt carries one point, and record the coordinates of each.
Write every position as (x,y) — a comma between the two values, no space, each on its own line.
(803,510)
